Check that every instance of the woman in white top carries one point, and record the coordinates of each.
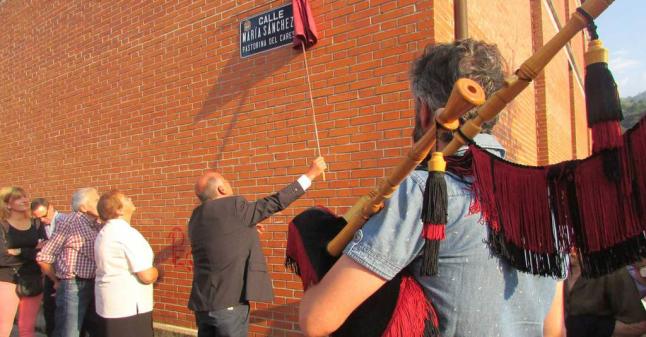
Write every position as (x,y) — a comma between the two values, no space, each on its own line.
(124,271)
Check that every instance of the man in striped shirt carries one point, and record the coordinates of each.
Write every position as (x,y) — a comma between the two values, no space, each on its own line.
(50,218)
(68,260)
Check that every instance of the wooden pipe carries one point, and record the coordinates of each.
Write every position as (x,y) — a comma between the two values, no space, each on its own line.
(465,95)
(370,204)
(526,73)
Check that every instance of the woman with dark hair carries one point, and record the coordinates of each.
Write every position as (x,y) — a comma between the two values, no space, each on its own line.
(19,241)
(124,271)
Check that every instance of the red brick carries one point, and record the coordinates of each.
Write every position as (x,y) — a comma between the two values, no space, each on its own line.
(144,97)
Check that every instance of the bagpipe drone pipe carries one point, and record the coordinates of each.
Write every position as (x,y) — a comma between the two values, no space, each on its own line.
(536,214)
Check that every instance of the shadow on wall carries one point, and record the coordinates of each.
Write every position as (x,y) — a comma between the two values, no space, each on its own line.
(236,81)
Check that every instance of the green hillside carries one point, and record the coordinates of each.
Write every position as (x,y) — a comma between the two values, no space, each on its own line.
(634,108)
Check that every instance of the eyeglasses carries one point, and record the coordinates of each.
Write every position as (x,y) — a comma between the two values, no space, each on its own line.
(43,216)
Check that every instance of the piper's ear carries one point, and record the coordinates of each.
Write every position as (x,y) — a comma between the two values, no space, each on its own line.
(424,115)
(221,189)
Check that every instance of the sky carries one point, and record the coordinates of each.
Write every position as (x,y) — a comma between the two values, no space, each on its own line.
(622,28)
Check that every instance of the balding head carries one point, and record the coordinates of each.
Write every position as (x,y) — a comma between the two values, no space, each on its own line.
(212,185)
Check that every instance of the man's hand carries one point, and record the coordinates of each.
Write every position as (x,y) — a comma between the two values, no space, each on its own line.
(316,168)
(260,228)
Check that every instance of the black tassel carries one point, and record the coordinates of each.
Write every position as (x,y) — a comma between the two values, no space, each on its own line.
(434,214)
(601,95)
(601,99)
(435,205)
(430,260)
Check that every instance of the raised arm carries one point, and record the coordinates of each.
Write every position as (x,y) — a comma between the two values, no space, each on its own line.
(259,210)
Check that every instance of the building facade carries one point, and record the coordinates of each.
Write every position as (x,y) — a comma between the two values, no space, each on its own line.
(144,96)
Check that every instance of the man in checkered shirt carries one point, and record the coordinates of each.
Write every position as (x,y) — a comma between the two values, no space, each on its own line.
(68,260)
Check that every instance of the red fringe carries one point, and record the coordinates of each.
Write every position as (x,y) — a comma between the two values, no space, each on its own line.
(606,135)
(485,200)
(598,204)
(605,207)
(296,251)
(514,199)
(562,200)
(525,216)
(434,231)
(411,311)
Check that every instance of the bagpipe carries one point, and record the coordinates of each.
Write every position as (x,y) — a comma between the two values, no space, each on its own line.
(536,215)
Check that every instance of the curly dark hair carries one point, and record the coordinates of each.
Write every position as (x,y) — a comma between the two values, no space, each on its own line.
(434,73)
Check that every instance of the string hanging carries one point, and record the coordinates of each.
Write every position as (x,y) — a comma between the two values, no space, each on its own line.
(309,88)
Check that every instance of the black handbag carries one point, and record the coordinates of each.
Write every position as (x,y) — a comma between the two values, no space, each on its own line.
(27,284)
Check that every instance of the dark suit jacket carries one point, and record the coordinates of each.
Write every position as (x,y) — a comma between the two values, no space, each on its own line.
(229,267)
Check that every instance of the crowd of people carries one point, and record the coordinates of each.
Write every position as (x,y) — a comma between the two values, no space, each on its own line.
(93,272)
(99,269)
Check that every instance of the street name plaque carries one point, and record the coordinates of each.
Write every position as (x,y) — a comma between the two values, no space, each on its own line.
(266,31)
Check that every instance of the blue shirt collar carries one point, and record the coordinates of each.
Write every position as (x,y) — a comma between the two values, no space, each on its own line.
(487,142)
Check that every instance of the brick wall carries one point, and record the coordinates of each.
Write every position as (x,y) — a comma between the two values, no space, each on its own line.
(490,21)
(144,97)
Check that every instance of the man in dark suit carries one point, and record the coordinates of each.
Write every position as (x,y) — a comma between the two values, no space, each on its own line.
(229,268)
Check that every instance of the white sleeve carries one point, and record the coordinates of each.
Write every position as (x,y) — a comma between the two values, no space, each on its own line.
(305,182)
(138,252)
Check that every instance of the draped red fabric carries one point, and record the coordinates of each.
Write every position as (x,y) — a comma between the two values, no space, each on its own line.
(304,25)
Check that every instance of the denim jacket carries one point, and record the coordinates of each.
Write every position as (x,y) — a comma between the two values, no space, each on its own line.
(474,293)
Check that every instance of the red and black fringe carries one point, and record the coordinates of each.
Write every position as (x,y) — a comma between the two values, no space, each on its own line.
(414,315)
(605,207)
(296,258)
(398,309)
(600,263)
(538,214)
(514,201)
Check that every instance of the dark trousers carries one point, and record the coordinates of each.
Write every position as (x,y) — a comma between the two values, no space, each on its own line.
(49,306)
(589,326)
(228,322)
(139,325)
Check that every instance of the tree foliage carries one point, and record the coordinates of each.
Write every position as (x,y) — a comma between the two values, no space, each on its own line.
(634,108)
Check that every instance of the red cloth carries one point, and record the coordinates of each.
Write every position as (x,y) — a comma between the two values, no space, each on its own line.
(304,25)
